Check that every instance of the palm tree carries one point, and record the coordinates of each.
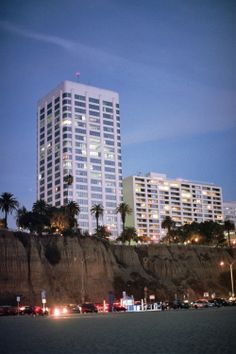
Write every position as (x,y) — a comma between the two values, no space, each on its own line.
(8,204)
(129,234)
(97,210)
(40,215)
(72,209)
(68,179)
(40,207)
(229,226)
(168,224)
(124,210)
(103,232)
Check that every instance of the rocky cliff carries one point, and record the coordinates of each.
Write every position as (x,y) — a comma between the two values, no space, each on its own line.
(72,268)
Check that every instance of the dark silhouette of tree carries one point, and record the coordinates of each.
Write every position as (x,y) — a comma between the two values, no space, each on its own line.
(97,210)
(128,234)
(21,212)
(8,204)
(189,233)
(41,215)
(229,226)
(72,210)
(21,217)
(40,207)
(68,179)
(29,220)
(123,209)
(103,232)
(212,233)
(168,224)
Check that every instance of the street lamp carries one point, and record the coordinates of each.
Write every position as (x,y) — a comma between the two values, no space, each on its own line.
(231,276)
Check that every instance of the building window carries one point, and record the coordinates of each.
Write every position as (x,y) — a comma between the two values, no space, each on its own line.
(106,103)
(93,113)
(93,100)
(107,116)
(66,102)
(80,104)
(66,94)
(107,110)
(80,110)
(79,97)
(92,106)
(94,133)
(106,122)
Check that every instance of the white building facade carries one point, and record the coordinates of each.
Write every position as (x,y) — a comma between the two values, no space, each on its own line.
(78,131)
(153,197)
(230,211)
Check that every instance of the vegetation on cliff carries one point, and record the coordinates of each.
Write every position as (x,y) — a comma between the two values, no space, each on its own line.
(51,220)
(8,204)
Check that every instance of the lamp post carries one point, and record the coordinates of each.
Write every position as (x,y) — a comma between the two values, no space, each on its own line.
(231,276)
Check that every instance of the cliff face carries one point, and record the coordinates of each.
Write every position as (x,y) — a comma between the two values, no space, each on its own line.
(91,268)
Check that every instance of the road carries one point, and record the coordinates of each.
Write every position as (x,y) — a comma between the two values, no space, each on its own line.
(168,332)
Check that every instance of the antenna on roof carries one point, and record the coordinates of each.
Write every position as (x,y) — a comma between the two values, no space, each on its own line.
(77,74)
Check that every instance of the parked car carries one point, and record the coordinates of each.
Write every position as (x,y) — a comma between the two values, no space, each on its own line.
(60,310)
(118,308)
(88,308)
(201,303)
(184,304)
(8,310)
(100,307)
(178,304)
(214,303)
(221,301)
(72,308)
(32,310)
(26,310)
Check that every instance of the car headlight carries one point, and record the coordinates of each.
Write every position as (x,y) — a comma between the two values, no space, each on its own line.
(56,312)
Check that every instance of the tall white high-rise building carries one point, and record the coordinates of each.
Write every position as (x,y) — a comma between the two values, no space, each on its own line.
(78,130)
(153,197)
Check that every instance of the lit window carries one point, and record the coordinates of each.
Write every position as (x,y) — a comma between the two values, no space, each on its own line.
(66,122)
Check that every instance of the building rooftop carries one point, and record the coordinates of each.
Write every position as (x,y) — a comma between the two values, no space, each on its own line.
(162,176)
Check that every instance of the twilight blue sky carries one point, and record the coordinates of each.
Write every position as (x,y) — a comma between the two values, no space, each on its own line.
(172,61)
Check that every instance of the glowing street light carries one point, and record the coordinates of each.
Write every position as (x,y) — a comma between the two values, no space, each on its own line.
(231,276)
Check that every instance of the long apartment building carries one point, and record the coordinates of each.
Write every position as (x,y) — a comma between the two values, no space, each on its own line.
(78,135)
(153,197)
(230,211)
